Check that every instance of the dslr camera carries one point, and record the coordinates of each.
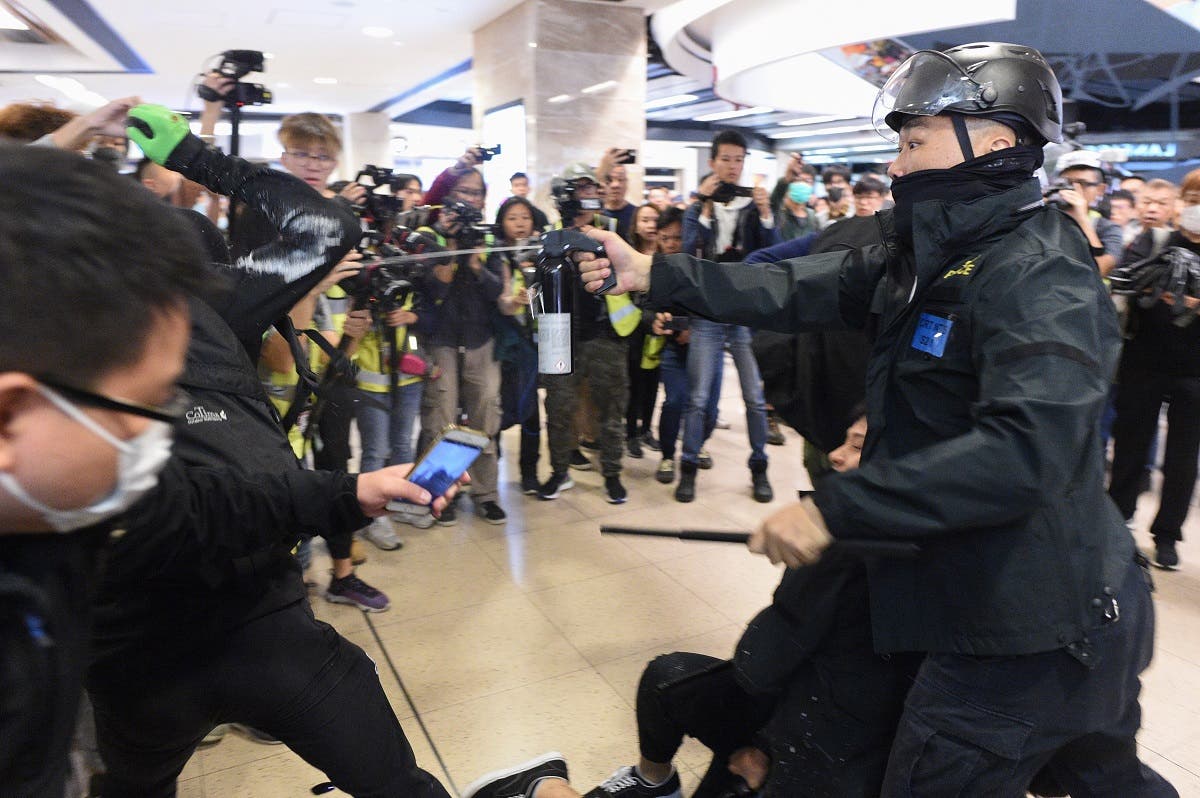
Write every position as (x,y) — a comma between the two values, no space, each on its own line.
(236,64)
(725,192)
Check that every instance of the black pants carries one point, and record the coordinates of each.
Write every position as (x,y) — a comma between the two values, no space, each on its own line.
(1140,396)
(333,452)
(984,726)
(643,391)
(286,673)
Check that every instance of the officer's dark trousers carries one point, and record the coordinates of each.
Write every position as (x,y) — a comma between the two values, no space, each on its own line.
(1140,396)
(287,674)
(984,726)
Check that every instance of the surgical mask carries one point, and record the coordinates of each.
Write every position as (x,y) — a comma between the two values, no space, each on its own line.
(1189,219)
(800,192)
(139,461)
(109,155)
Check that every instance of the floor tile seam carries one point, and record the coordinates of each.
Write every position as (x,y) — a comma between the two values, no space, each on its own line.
(380,626)
(280,750)
(1194,771)
(700,598)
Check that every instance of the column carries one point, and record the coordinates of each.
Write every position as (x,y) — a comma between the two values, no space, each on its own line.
(366,139)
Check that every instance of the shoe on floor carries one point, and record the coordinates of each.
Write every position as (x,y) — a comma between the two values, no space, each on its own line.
(774,434)
(628,783)
(593,445)
(1165,556)
(721,423)
(415,516)
(614,490)
(651,443)
(380,533)
(519,781)
(530,484)
(685,491)
(579,462)
(257,735)
(555,485)
(704,459)
(352,590)
(216,735)
(449,516)
(491,512)
(666,472)
(358,552)
(635,448)
(762,488)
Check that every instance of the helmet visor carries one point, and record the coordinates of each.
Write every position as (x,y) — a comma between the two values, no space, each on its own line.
(926,84)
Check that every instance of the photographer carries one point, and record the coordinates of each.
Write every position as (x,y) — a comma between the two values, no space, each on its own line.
(1077,189)
(202,617)
(112,332)
(461,298)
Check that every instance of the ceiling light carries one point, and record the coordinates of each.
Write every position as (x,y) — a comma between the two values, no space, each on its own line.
(674,99)
(598,87)
(325,81)
(377,32)
(815,120)
(10,21)
(559,98)
(734,114)
(828,131)
(533,44)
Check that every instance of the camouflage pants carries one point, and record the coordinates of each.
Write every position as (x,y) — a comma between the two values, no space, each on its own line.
(601,364)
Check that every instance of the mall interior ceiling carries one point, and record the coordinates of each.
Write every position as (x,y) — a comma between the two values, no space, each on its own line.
(1130,69)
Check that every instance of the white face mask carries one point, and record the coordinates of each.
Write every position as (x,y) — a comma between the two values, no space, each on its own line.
(139,461)
(1189,219)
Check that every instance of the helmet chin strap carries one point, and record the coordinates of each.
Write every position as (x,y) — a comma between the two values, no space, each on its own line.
(964,138)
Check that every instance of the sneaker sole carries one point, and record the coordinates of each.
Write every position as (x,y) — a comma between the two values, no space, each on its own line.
(382,547)
(622,500)
(343,600)
(582,466)
(488,778)
(495,521)
(664,478)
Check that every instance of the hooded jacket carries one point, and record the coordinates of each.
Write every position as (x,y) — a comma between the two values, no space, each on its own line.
(995,344)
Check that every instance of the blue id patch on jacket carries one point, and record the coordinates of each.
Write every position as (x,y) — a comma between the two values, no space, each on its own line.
(932,334)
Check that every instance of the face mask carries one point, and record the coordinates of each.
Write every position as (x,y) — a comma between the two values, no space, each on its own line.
(140,460)
(800,192)
(109,155)
(1189,219)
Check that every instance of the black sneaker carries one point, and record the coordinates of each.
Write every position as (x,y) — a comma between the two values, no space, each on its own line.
(704,460)
(555,485)
(519,781)
(449,516)
(579,462)
(685,491)
(592,445)
(614,490)
(635,448)
(762,488)
(651,443)
(666,472)
(352,590)
(530,484)
(1165,556)
(628,783)
(774,434)
(491,512)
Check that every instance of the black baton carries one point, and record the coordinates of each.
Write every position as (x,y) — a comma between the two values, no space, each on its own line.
(897,549)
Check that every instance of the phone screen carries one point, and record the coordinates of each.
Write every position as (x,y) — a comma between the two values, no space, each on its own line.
(442,466)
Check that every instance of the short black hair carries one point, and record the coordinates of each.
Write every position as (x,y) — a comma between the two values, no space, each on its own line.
(1133,177)
(731,137)
(869,185)
(808,169)
(1122,194)
(508,203)
(518,176)
(87,262)
(670,215)
(833,171)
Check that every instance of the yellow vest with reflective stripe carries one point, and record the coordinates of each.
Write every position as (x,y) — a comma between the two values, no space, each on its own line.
(370,358)
(622,313)
(652,349)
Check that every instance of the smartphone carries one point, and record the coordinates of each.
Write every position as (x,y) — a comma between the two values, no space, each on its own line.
(678,323)
(445,461)
(629,156)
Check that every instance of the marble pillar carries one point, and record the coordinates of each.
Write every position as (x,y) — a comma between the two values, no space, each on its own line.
(366,139)
(579,69)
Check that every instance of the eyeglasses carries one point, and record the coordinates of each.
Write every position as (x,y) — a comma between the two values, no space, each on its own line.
(302,157)
(1084,183)
(469,193)
(173,410)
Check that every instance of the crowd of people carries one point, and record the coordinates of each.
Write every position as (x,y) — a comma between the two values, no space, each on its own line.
(851,311)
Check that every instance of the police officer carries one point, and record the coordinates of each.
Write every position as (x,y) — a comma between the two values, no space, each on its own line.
(994,344)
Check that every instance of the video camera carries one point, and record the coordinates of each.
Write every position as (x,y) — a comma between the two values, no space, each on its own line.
(471,228)
(725,192)
(567,202)
(381,207)
(236,64)
(384,285)
(488,153)
(1051,193)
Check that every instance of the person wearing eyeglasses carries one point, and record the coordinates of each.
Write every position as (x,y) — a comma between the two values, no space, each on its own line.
(1083,172)
(86,412)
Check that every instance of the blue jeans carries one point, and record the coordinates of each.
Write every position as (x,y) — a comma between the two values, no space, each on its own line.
(674,376)
(387,435)
(706,350)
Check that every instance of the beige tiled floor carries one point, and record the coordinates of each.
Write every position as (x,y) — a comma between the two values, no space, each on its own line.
(519,639)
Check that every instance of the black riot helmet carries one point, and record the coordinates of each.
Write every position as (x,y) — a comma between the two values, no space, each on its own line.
(1010,83)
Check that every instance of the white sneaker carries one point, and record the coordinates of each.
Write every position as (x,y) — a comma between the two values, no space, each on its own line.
(420,517)
(380,533)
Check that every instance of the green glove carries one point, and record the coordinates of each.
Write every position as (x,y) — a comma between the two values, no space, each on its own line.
(157,130)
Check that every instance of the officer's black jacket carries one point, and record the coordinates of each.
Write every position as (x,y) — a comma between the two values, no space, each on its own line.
(209,548)
(988,455)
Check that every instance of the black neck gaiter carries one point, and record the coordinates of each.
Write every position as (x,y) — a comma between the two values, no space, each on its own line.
(988,174)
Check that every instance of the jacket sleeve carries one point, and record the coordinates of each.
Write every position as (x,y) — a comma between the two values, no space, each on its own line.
(202,518)
(696,237)
(754,234)
(830,291)
(1045,344)
(314,234)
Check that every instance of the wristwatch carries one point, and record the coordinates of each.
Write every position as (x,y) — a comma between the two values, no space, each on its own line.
(1096,251)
